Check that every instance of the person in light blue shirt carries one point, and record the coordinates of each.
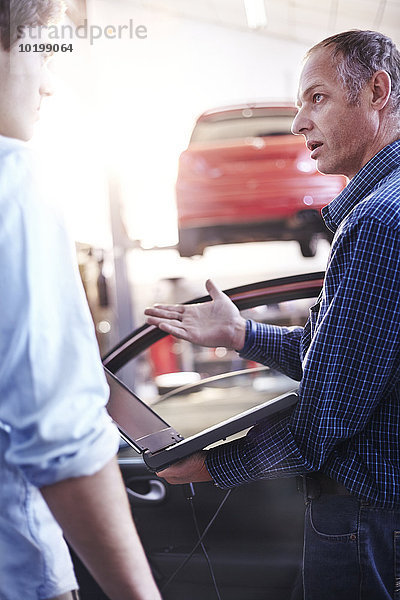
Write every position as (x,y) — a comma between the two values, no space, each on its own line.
(58,469)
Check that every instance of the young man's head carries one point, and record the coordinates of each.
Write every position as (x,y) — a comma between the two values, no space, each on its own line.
(349,100)
(24,77)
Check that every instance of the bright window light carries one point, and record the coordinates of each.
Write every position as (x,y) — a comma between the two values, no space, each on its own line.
(255,13)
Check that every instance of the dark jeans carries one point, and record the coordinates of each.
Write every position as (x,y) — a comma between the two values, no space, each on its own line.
(351,551)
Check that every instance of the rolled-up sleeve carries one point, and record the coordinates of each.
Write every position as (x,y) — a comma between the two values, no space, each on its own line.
(52,387)
(275,347)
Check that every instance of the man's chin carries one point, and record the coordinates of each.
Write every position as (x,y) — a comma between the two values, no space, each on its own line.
(24,135)
(323,168)
(326,169)
(23,132)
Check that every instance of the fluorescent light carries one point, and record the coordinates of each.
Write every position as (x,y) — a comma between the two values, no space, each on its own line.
(255,13)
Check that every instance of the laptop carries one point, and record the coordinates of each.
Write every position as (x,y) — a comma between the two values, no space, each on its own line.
(158,442)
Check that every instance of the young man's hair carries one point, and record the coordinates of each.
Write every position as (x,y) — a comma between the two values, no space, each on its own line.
(17,14)
(358,55)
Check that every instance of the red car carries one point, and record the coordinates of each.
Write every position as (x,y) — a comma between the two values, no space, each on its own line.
(244,177)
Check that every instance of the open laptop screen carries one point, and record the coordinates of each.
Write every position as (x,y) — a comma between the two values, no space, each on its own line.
(140,423)
(160,444)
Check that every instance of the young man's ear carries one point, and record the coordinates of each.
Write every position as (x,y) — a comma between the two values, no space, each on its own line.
(381,87)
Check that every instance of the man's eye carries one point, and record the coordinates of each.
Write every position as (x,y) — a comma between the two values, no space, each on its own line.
(317,98)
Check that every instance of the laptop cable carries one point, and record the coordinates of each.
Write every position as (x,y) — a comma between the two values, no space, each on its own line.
(201,536)
(189,498)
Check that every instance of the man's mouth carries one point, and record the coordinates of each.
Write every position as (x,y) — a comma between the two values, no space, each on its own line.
(313,146)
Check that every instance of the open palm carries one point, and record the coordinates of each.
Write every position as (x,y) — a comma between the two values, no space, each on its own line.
(212,324)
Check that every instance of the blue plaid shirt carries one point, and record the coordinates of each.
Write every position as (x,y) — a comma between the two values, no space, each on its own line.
(347,357)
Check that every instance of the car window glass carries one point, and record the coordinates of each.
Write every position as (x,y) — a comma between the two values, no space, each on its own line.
(220,384)
(238,128)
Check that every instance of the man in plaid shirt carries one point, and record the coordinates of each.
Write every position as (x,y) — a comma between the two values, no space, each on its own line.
(343,435)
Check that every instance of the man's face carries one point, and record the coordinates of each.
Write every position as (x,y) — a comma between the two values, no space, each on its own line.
(25,80)
(339,135)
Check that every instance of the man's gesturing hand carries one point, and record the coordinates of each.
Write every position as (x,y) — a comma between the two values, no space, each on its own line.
(212,324)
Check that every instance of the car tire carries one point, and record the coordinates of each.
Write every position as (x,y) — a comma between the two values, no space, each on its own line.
(308,246)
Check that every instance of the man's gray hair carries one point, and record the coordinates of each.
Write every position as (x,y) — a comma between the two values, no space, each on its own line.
(357,55)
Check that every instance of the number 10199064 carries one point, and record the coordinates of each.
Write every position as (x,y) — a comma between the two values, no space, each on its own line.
(45,48)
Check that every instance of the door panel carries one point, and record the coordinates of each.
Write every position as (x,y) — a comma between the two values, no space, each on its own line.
(255,544)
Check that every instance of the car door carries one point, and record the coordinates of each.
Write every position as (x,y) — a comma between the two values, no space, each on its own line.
(252,550)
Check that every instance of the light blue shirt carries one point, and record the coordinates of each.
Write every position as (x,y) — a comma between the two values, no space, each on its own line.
(53,422)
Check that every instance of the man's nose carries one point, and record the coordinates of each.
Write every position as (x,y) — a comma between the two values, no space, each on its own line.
(47,83)
(301,123)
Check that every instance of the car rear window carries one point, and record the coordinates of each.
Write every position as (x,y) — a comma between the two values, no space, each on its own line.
(216,128)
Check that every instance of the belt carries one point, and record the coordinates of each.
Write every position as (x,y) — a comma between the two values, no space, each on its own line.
(315,484)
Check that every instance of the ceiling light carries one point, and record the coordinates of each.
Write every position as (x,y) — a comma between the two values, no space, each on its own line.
(255,13)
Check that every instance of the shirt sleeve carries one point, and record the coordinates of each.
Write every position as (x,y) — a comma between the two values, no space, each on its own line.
(52,387)
(351,363)
(275,347)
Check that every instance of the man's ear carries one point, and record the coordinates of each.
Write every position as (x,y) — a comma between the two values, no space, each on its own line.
(381,86)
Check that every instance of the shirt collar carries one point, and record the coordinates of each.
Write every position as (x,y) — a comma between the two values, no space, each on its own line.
(381,165)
